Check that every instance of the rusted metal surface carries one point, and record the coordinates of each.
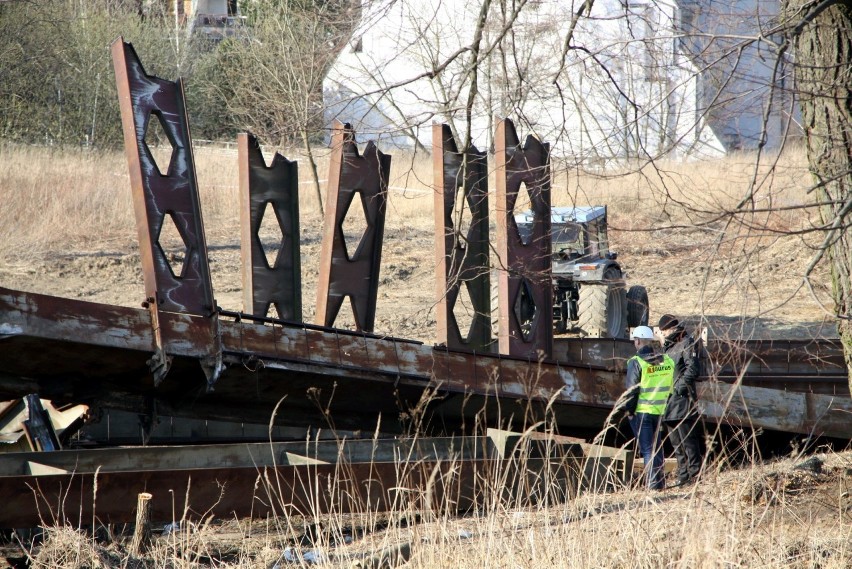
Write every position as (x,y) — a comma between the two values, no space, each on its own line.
(524,273)
(114,427)
(78,351)
(269,192)
(164,194)
(239,491)
(461,257)
(260,479)
(777,357)
(792,412)
(807,366)
(356,183)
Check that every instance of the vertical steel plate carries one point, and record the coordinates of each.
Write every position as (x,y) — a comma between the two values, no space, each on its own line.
(524,274)
(359,183)
(461,260)
(269,191)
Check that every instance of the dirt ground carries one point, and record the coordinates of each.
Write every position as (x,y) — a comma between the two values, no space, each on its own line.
(759,296)
(768,515)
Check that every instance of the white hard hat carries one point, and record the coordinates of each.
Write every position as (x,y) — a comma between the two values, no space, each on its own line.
(642,333)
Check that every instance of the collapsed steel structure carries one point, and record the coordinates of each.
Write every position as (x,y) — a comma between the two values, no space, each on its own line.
(183,355)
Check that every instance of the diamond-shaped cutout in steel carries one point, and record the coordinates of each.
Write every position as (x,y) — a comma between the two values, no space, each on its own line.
(354,225)
(159,143)
(525,310)
(461,217)
(523,205)
(272,312)
(345,319)
(270,234)
(173,245)
(463,310)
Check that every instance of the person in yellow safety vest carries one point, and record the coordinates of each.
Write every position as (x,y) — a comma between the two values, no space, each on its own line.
(653,372)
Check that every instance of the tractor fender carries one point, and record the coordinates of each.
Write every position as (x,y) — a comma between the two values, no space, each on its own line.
(596,275)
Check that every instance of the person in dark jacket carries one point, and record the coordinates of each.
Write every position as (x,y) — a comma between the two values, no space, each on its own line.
(681,414)
(650,376)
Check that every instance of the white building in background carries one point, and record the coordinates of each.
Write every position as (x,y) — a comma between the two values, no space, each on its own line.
(640,78)
(215,19)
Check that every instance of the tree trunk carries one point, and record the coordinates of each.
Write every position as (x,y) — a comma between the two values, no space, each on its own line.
(142,532)
(306,140)
(823,63)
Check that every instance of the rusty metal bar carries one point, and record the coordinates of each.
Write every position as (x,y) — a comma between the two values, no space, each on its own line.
(357,184)
(307,478)
(78,351)
(164,196)
(524,283)
(461,257)
(269,194)
(246,491)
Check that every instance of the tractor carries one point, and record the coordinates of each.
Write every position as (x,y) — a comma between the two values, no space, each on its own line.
(590,295)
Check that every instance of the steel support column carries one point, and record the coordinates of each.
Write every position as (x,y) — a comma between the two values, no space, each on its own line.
(524,272)
(269,191)
(359,183)
(164,194)
(461,257)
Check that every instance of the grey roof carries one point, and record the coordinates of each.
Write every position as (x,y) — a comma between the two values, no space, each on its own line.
(581,214)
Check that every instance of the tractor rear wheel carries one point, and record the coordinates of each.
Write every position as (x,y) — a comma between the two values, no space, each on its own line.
(637,306)
(602,307)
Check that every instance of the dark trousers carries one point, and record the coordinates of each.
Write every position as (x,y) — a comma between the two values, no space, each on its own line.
(648,431)
(686,441)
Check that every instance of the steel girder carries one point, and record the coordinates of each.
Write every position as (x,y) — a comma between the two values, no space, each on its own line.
(461,259)
(296,478)
(524,283)
(164,196)
(357,182)
(269,191)
(76,351)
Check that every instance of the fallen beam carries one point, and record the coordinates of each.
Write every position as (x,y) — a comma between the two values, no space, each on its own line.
(307,478)
(70,350)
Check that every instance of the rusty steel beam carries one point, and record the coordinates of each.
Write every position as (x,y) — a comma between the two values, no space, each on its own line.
(246,491)
(226,492)
(358,184)
(807,366)
(257,480)
(75,351)
(525,292)
(269,191)
(461,260)
(164,194)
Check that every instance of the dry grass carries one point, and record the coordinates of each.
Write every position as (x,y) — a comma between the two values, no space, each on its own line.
(59,199)
(68,229)
(774,514)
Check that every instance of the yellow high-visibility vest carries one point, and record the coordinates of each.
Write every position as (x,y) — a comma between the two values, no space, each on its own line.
(655,386)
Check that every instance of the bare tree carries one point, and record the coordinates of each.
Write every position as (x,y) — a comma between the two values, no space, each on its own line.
(273,80)
(617,87)
(56,78)
(821,34)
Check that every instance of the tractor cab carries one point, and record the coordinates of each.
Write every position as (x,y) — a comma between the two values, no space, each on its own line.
(590,295)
